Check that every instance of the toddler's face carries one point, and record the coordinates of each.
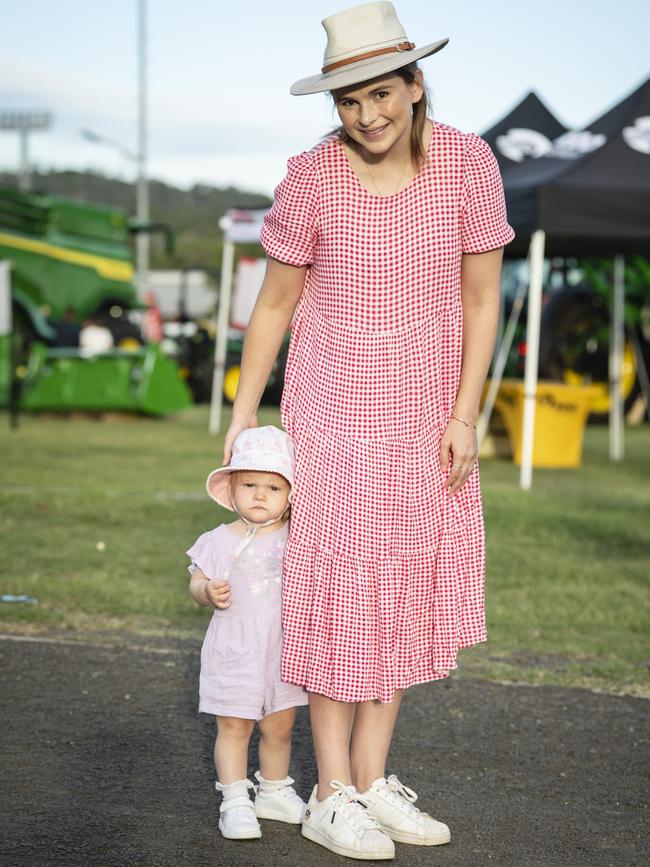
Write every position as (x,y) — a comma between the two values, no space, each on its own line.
(258,496)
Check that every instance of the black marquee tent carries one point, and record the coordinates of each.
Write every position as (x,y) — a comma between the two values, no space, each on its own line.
(590,191)
(584,193)
(523,132)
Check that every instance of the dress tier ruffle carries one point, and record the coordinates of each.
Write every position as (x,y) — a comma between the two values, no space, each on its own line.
(384,567)
(384,571)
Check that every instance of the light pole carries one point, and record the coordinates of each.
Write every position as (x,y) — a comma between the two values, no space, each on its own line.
(96,138)
(142,203)
(142,188)
(138,157)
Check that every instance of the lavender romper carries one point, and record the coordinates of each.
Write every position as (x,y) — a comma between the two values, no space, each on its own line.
(240,657)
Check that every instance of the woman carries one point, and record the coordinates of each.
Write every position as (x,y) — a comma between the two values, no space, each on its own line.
(386,241)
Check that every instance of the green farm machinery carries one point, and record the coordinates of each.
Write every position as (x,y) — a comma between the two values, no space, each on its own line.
(72,263)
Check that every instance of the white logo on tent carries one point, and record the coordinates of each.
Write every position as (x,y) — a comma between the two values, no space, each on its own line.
(519,143)
(638,136)
(571,145)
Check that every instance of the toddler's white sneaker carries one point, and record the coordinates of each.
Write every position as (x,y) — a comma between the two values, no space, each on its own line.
(237,820)
(393,805)
(343,825)
(277,799)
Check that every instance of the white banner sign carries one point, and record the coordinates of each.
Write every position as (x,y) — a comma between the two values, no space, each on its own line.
(248,282)
(243,226)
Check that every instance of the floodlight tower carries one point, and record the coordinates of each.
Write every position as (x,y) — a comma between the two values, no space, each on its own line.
(24,122)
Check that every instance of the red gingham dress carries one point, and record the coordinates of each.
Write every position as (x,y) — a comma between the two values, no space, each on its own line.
(384,571)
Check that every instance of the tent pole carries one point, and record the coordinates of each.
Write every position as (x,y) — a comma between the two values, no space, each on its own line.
(500,362)
(616,346)
(221,344)
(532,356)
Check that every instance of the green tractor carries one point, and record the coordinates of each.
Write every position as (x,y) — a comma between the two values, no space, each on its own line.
(72,263)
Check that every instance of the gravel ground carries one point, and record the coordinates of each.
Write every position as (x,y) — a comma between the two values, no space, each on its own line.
(105,761)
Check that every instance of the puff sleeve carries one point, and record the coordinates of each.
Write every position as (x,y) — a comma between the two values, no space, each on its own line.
(290,227)
(208,554)
(484,224)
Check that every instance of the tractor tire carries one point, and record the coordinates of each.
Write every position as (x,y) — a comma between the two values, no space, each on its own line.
(574,347)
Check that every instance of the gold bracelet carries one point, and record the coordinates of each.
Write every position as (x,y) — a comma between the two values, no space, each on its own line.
(462,421)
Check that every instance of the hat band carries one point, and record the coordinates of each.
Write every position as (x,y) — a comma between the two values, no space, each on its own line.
(403,46)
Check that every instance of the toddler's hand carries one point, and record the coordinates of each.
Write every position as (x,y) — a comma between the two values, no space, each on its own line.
(218,592)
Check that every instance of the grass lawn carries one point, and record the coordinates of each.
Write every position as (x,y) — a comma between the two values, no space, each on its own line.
(95,517)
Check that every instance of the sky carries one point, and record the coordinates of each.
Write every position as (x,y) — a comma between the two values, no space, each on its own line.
(219,109)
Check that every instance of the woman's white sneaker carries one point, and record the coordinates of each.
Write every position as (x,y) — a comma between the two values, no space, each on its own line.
(343,825)
(393,805)
(237,820)
(277,799)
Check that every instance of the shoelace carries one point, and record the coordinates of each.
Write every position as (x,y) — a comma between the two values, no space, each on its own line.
(354,812)
(406,795)
(289,793)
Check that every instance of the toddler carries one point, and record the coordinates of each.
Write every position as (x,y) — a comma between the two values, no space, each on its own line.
(237,570)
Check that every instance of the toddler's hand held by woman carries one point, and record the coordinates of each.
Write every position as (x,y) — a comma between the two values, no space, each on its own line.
(218,593)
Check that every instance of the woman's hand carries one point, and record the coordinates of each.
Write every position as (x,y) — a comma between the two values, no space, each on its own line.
(237,425)
(218,593)
(459,447)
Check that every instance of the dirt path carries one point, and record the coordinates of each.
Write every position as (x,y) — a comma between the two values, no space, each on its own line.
(105,761)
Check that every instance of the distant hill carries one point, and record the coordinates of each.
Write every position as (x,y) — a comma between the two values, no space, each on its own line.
(193,214)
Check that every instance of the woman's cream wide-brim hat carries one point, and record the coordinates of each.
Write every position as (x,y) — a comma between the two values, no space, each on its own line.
(363,42)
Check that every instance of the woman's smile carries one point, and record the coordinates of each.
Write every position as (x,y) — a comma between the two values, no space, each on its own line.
(374,133)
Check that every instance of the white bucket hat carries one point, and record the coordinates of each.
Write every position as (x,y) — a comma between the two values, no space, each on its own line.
(259,449)
(363,42)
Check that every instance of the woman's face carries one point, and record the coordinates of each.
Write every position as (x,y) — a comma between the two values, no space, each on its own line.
(378,114)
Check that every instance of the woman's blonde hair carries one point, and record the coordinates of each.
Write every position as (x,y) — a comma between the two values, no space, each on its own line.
(409,74)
